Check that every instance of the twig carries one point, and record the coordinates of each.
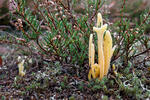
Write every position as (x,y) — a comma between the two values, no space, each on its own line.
(7,14)
(140,53)
(96,9)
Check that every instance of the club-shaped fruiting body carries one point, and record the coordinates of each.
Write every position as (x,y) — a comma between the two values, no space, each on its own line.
(90,46)
(105,50)
(21,68)
(108,51)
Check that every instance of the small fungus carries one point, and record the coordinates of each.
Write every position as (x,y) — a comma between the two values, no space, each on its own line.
(21,68)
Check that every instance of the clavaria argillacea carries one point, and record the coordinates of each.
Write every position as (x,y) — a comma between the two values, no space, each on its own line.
(21,67)
(105,50)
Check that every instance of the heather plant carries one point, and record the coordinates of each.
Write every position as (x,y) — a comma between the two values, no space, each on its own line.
(56,31)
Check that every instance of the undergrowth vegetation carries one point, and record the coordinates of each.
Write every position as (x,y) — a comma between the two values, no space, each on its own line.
(56,31)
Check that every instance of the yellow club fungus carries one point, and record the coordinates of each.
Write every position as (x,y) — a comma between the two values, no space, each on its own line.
(94,71)
(108,51)
(91,58)
(99,20)
(21,68)
(105,50)
(90,43)
(114,69)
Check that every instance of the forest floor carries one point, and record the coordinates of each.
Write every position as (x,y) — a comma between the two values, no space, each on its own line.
(57,80)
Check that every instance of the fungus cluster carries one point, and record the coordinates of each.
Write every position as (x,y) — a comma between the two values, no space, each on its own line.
(105,50)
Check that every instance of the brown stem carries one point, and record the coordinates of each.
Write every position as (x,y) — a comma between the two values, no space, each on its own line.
(96,9)
(140,53)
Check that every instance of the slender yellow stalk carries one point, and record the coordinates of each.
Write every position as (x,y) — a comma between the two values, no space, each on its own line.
(90,42)
(92,54)
(99,20)
(100,33)
(107,51)
(92,59)
(21,68)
